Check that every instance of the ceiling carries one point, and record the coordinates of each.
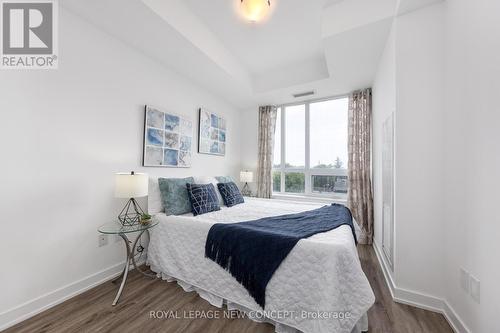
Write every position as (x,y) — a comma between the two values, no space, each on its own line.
(292,34)
(328,46)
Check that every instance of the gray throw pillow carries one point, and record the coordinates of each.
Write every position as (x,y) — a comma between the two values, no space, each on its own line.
(224,179)
(174,195)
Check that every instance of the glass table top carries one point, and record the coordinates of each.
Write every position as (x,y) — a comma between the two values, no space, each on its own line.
(117,228)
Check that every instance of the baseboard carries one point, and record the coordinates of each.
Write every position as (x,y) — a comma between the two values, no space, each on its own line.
(454,320)
(420,300)
(33,307)
(385,270)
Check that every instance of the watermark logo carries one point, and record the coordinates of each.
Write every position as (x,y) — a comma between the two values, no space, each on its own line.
(29,34)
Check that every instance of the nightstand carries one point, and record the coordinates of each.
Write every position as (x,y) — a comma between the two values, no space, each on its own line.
(116,228)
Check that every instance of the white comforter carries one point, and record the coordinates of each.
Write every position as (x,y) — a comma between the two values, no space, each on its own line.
(321,275)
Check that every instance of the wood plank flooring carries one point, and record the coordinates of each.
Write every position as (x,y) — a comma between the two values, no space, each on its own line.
(92,310)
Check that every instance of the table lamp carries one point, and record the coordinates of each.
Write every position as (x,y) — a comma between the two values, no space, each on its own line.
(246,177)
(131,185)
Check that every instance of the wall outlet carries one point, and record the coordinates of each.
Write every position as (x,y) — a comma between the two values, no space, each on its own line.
(475,289)
(103,240)
(464,280)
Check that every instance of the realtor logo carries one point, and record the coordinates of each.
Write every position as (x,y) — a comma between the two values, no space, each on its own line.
(29,34)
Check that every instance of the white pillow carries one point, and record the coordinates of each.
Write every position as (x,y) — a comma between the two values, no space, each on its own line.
(210,180)
(155,204)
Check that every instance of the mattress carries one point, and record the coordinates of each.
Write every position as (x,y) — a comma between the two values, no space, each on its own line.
(319,287)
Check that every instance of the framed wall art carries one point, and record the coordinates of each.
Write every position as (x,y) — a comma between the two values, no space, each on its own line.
(168,139)
(212,133)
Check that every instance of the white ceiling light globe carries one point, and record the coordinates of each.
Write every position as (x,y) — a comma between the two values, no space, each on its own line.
(255,10)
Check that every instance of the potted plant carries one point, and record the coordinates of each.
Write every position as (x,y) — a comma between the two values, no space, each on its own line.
(145,218)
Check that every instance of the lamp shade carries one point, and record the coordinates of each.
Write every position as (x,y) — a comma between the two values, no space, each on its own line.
(131,185)
(246,176)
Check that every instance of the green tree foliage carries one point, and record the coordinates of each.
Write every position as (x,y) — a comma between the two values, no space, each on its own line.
(294,182)
(276,181)
(323,166)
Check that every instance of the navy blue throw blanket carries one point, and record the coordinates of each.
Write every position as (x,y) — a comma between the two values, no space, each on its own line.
(252,251)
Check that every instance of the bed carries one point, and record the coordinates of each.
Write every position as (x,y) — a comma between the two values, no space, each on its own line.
(319,287)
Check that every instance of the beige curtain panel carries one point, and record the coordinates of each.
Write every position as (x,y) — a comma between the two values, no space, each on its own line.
(360,195)
(267,125)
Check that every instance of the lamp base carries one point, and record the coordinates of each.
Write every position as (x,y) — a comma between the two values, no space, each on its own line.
(131,213)
(246,190)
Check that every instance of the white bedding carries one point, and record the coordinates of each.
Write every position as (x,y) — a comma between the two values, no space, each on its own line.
(322,274)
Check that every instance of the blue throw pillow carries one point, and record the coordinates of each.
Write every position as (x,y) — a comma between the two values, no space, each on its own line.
(230,194)
(203,198)
(174,195)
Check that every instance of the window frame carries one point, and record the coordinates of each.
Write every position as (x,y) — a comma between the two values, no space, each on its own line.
(307,170)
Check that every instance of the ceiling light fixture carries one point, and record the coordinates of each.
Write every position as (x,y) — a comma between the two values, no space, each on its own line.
(255,10)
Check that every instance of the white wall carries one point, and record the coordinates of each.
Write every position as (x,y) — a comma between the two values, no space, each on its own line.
(250,143)
(472,159)
(409,81)
(63,134)
(384,103)
(447,161)
(419,126)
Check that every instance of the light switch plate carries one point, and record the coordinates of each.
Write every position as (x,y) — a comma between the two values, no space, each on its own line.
(475,289)
(464,280)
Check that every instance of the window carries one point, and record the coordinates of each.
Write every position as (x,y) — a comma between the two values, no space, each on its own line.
(310,152)
(276,181)
(295,182)
(295,134)
(328,128)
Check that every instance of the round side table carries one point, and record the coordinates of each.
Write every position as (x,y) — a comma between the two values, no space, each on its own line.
(116,228)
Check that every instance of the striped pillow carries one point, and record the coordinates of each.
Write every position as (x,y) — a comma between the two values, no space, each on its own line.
(203,198)
(230,193)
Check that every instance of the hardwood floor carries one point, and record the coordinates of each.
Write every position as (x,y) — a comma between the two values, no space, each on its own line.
(92,310)
(388,316)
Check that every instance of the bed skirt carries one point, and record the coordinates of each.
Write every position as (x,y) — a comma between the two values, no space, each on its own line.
(218,301)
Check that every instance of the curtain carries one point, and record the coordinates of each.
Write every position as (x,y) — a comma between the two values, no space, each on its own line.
(267,125)
(360,196)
